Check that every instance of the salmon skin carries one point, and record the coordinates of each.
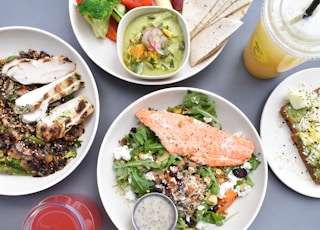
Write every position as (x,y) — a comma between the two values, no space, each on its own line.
(198,141)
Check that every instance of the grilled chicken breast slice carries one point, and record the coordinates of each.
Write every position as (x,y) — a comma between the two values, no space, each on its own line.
(42,71)
(59,121)
(51,92)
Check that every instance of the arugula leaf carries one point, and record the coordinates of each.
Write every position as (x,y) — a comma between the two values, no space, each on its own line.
(198,106)
(139,183)
(254,162)
(148,163)
(171,160)
(206,171)
(135,171)
(210,217)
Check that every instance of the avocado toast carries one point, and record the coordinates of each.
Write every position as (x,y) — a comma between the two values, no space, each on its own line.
(301,114)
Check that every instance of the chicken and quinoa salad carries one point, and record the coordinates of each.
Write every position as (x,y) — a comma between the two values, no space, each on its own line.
(41,119)
(201,193)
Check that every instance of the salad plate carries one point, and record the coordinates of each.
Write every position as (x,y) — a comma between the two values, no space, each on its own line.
(103,52)
(282,155)
(15,39)
(232,119)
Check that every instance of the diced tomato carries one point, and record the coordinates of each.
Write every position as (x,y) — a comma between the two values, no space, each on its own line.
(130,4)
(78,1)
(112,29)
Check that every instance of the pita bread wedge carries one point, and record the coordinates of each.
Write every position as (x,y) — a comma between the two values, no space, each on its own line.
(233,8)
(238,15)
(212,13)
(211,38)
(195,10)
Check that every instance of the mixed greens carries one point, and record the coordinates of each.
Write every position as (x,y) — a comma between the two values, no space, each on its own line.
(199,191)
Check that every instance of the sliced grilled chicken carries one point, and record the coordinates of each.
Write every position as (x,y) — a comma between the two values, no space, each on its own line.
(42,71)
(59,121)
(45,95)
(200,142)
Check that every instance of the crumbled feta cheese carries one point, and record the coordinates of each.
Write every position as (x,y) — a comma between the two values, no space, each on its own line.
(224,187)
(207,119)
(228,185)
(246,166)
(122,152)
(144,156)
(130,196)
(243,189)
(202,225)
(150,176)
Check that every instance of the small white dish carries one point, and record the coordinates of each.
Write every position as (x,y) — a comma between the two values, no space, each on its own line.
(130,17)
(15,39)
(156,210)
(103,52)
(232,120)
(282,155)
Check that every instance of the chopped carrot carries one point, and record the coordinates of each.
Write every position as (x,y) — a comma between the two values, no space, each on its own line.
(130,4)
(112,29)
(227,201)
(137,51)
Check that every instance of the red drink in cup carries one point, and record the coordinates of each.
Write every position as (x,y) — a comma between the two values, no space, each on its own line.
(64,212)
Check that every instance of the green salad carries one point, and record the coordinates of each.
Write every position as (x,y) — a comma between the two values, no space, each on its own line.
(202,194)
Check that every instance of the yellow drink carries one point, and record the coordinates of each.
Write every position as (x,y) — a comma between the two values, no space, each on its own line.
(282,38)
(264,58)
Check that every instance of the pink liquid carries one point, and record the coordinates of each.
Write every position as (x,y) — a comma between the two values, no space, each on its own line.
(64,212)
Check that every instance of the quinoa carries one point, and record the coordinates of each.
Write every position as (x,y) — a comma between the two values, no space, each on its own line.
(19,146)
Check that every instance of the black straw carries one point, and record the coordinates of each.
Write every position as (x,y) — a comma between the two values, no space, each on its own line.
(311,8)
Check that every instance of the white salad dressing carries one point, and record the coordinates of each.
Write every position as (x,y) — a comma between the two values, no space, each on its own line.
(154,211)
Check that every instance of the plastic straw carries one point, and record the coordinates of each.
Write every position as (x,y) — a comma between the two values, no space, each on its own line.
(311,8)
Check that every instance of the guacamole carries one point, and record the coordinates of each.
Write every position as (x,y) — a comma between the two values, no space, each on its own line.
(153,44)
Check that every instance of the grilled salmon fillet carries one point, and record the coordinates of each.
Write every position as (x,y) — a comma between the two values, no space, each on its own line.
(200,142)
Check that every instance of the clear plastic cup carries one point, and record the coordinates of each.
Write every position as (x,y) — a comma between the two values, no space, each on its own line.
(64,212)
(282,39)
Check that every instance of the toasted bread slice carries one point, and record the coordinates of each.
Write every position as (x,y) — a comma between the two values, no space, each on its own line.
(292,124)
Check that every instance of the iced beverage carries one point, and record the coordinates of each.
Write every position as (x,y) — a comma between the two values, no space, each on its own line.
(64,212)
(283,38)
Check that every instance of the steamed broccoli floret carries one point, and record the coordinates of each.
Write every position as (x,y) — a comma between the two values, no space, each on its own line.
(97,13)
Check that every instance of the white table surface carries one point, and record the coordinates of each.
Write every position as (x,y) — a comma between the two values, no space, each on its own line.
(282,208)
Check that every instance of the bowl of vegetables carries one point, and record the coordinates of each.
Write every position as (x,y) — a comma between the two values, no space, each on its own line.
(153,42)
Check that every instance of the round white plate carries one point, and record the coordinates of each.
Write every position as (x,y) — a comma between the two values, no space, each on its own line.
(282,155)
(104,53)
(232,119)
(15,39)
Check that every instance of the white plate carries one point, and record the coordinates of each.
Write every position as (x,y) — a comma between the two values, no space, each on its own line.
(104,53)
(232,119)
(15,39)
(282,155)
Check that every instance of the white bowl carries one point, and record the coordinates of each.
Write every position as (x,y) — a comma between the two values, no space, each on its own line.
(15,39)
(139,11)
(232,120)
